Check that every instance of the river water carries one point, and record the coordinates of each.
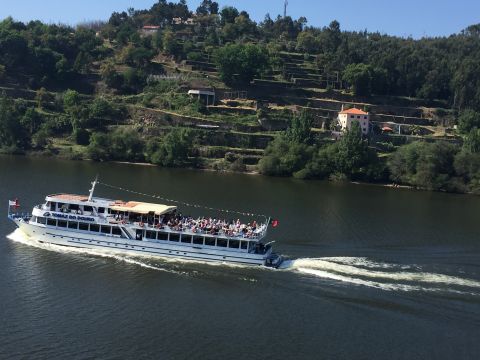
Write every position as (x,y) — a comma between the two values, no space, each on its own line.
(373,273)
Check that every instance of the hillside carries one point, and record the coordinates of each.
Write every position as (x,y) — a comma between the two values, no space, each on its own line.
(213,89)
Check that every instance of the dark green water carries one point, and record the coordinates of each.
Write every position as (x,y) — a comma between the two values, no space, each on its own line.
(374,273)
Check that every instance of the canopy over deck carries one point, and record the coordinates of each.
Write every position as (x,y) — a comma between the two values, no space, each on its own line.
(68,197)
(142,207)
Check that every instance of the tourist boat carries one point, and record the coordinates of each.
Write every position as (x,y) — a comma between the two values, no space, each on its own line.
(140,228)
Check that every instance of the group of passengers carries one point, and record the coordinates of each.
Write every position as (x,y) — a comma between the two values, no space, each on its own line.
(211,226)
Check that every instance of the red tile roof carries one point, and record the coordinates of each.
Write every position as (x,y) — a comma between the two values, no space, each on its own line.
(353,111)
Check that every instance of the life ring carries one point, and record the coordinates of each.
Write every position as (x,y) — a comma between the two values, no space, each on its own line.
(141,224)
(123,222)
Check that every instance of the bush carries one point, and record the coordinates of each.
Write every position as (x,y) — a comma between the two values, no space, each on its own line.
(81,136)
(238,165)
(172,150)
(194,56)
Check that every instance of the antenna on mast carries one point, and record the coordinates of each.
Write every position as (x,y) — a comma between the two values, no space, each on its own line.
(285,8)
(90,196)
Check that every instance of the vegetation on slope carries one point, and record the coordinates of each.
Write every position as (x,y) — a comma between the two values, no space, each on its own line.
(82,85)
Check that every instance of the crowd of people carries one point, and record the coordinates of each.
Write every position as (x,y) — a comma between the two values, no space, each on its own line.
(211,226)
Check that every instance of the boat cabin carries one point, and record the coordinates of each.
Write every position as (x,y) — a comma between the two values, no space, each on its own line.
(147,222)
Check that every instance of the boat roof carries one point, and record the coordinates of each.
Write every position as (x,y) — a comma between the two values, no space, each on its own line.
(142,207)
(69,197)
(117,205)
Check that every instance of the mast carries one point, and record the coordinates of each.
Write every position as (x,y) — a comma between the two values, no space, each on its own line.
(285,8)
(90,196)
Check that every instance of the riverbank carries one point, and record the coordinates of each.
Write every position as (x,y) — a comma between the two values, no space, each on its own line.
(252,172)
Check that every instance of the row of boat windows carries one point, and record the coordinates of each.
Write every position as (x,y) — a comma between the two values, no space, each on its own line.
(193,239)
(75,225)
(148,234)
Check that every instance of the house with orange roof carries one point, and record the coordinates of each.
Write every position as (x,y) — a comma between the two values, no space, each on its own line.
(347,117)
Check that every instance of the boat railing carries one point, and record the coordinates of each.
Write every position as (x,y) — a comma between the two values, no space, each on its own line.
(251,236)
(18,216)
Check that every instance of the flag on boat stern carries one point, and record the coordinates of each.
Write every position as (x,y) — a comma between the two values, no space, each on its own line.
(14,203)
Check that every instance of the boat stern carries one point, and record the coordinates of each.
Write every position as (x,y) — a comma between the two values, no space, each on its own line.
(274,260)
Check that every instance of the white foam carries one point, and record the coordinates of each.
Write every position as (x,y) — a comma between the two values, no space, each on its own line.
(336,268)
(353,270)
(365,262)
(20,237)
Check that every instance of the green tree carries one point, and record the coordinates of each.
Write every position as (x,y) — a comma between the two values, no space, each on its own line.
(359,77)
(172,150)
(424,165)
(170,43)
(472,141)
(99,147)
(300,130)
(468,120)
(110,75)
(307,42)
(284,157)
(31,120)
(71,99)
(228,15)
(12,133)
(352,153)
(240,63)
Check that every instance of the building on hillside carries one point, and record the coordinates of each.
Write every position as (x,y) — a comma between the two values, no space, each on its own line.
(150,29)
(349,116)
(180,21)
(205,96)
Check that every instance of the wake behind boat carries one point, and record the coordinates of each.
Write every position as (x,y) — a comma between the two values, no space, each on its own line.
(140,228)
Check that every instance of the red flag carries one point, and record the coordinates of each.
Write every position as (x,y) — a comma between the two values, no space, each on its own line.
(274,223)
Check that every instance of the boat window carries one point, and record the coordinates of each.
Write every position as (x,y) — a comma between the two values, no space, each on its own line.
(41,220)
(150,234)
(101,210)
(53,206)
(83,226)
(198,240)
(234,244)
(244,245)
(94,227)
(52,222)
(105,229)
(34,219)
(162,236)
(62,223)
(74,207)
(210,241)
(87,208)
(186,238)
(73,225)
(221,242)
(116,231)
(61,207)
(174,237)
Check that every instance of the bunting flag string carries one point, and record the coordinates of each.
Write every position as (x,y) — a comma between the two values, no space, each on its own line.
(197,206)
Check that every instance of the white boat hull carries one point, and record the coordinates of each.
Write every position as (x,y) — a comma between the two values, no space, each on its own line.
(144,247)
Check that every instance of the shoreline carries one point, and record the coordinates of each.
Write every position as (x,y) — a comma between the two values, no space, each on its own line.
(392,185)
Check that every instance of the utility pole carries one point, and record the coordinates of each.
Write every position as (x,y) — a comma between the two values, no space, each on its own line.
(285,9)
